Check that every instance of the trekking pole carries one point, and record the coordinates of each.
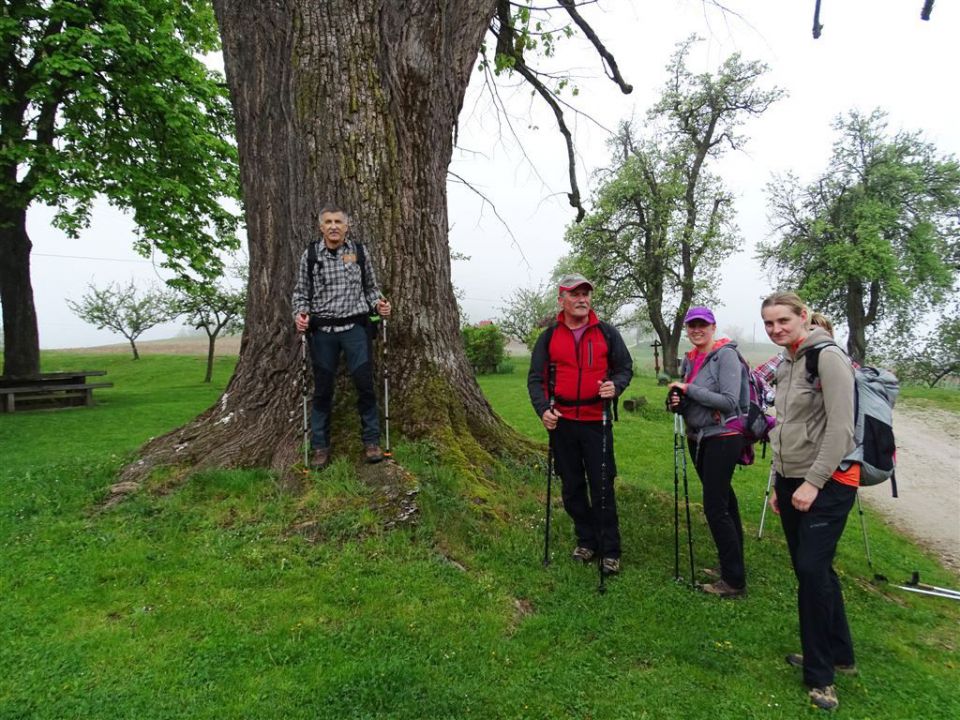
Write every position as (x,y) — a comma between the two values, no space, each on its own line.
(386,390)
(677,447)
(935,593)
(915,583)
(863,529)
(303,387)
(602,587)
(866,543)
(551,374)
(766,500)
(686,498)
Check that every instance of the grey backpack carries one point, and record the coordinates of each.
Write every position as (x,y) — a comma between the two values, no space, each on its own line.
(874,394)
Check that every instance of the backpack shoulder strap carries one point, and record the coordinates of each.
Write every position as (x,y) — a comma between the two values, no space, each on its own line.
(362,259)
(813,359)
(548,336)
(312,260)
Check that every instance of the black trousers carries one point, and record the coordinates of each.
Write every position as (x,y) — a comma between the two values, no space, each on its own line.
(716,460)
(812,538)
(587,482)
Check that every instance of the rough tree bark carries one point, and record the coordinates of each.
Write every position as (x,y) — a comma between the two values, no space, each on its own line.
(22,356)
(353,102)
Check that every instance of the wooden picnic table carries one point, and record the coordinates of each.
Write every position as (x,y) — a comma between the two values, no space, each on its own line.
(50,390)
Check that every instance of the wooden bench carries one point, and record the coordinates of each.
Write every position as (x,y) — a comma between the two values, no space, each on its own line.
(50,390)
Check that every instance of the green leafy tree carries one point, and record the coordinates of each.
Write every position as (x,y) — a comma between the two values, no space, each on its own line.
(484,346)
(662,222)
(110,98)
(924,357)
(214,308)
(876,237)
(526,310)
(125,309)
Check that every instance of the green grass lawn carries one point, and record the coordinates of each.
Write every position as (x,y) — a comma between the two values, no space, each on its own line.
(206,601)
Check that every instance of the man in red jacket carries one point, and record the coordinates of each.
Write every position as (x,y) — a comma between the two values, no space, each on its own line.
(578,365)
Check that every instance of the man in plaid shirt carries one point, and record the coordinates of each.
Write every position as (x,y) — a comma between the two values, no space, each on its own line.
(334,309)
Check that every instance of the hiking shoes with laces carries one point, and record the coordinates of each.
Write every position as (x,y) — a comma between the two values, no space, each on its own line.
(721,589)
(711,572)
(320,458)
(372,453)
(610,566)
(583,554)
(825,698)
(796,659)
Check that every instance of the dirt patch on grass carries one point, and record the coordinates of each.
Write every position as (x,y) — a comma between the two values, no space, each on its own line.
(227,345)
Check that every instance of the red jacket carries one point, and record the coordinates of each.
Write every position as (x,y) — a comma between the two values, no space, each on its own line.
(579,369)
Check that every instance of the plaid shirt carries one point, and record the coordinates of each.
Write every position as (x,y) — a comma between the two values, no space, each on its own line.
(766,373)
(337,285)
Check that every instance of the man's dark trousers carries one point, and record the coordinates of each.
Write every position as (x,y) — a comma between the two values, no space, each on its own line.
(325,349)
(577,451)
(812,539)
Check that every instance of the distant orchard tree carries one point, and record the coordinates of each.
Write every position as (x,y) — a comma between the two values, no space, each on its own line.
(125,310)
(662,221)
(928,357)
(525,311)
(875,238)
(213,308)
(735,332)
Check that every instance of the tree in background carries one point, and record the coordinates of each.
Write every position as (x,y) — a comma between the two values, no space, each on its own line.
(876,237)
(661,222)
(110,98)
(124,310)
(525,311)
(212,307)
(484,346)
(928,357)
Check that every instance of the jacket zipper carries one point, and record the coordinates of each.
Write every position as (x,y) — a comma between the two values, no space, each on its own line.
(576,351)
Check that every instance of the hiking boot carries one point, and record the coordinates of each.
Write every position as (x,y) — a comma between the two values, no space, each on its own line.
(824,698)
(320,458)
(583,554)
(796,659)
(610,566)
(721,589)
(372,453)
(712,573)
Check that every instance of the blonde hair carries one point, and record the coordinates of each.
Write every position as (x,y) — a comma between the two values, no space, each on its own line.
(787,299)
(818,319)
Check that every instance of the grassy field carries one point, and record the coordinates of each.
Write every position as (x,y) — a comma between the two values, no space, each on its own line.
(206,600)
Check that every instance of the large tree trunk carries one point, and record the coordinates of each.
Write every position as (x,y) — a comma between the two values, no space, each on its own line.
(856,322)
(21,343)
(353,102)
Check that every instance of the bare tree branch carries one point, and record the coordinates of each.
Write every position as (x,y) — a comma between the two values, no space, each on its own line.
(488,201)
(614,71)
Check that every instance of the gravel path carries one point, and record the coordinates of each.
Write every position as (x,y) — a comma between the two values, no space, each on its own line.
(928,481)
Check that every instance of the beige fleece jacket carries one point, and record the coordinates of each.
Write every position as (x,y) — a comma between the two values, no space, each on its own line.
(815,422)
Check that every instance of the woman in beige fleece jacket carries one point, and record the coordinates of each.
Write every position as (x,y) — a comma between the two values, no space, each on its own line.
(812,496)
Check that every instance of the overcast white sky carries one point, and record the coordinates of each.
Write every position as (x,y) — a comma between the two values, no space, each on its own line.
(873,53)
